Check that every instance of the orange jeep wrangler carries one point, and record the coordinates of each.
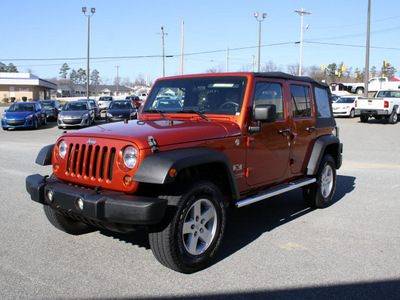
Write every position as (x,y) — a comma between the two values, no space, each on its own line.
(201,143)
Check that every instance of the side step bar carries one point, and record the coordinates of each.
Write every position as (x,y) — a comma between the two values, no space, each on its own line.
(275,191)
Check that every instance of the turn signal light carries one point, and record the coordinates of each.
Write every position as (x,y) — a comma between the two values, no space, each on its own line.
(127,180)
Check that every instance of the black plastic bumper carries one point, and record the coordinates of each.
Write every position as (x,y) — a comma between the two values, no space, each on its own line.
(104,205)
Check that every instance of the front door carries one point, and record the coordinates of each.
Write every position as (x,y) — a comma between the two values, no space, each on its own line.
(268,150)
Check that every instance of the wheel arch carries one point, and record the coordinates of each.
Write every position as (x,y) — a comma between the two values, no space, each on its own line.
(327,144)
(204,163)
(45,155)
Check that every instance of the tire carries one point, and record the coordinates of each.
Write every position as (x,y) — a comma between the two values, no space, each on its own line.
(360,91)
(364,118)
(192,230)
(66,224)
(35,124)
(320,194)
(352,113)
(393,119)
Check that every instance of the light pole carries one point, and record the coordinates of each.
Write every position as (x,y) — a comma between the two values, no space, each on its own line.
(163,50)
(367,46)
(264,15)
(92,11)
(301,12)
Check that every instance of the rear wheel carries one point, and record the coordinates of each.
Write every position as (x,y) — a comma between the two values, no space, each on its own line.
(320,194)
(193,229)
(364,118)
(393,117)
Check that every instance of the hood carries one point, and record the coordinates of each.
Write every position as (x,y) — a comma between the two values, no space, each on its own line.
(73,113)
(18,115)
(166,132)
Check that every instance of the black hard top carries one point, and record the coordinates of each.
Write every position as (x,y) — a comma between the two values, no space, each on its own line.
(287,76)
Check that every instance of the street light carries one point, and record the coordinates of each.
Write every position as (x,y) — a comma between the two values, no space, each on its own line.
(302,12)
(92,11)
(264,15)
(163,49)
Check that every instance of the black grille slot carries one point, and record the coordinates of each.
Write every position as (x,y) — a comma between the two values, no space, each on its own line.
(91,161)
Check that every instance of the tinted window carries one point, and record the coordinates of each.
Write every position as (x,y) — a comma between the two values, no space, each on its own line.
(323,103)
(270,93)
(301,101)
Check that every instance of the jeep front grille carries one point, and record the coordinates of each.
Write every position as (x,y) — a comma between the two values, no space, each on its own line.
(90,161)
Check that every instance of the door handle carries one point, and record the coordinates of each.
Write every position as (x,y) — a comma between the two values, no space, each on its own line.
(310,129)
(285,132)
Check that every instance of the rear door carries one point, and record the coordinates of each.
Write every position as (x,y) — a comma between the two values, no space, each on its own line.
(303,125)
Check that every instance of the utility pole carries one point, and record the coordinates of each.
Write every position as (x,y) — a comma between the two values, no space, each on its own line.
(366,74)
(183,31)
(117,81)
(301,12)
(227,60)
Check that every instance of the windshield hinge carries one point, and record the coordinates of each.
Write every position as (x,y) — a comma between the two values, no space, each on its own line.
(152,143)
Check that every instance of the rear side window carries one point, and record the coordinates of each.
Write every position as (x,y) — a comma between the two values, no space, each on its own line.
(323,103)
(270,93)
(301,101)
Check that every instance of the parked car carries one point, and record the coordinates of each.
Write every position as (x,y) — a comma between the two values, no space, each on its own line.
(121,110)
(345,107)
(104,102)
(177,170)
(51,107)
(95,106)
(24,115)
(135,99)
(75,113)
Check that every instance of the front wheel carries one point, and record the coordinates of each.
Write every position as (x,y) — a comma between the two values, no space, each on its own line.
(352,113)
(320,194)
(193,229)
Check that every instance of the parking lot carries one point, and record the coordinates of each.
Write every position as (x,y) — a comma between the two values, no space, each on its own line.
(278,248)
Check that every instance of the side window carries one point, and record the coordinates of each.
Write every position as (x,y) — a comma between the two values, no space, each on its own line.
(270,93)
(322,103)
(301,101)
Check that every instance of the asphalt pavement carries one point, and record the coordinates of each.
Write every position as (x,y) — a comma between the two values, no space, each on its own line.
(276,249)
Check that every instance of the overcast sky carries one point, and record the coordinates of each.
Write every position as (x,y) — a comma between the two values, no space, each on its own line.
(127,34)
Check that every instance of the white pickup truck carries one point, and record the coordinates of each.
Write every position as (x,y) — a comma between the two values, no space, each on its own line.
(374,84)
(386,104)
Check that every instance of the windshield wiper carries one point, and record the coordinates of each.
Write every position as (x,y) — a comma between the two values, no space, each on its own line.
(156,111)
(194,112)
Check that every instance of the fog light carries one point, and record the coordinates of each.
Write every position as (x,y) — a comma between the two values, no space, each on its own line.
(50,196)
(79,203)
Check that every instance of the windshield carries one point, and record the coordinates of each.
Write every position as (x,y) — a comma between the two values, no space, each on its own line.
(75,106)
(48,103)
(105,99)
(207,95)
(346,100)
(121,105)
(18,107)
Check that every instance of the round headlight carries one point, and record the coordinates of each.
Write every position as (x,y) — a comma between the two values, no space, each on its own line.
(62,148)
(130,157)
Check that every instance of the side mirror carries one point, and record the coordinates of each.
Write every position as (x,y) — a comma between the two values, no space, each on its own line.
(6,110)
(263,113)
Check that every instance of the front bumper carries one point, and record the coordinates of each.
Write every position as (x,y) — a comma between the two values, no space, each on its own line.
(72,122)
(102,206)
(23,123)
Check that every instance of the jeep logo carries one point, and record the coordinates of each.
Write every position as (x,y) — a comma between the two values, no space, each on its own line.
(93,142)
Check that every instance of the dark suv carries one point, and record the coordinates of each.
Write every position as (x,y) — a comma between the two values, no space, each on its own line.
(201,144)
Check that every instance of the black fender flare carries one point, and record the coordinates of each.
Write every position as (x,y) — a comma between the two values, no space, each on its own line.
(44,156)
(318,152)
(156,168)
